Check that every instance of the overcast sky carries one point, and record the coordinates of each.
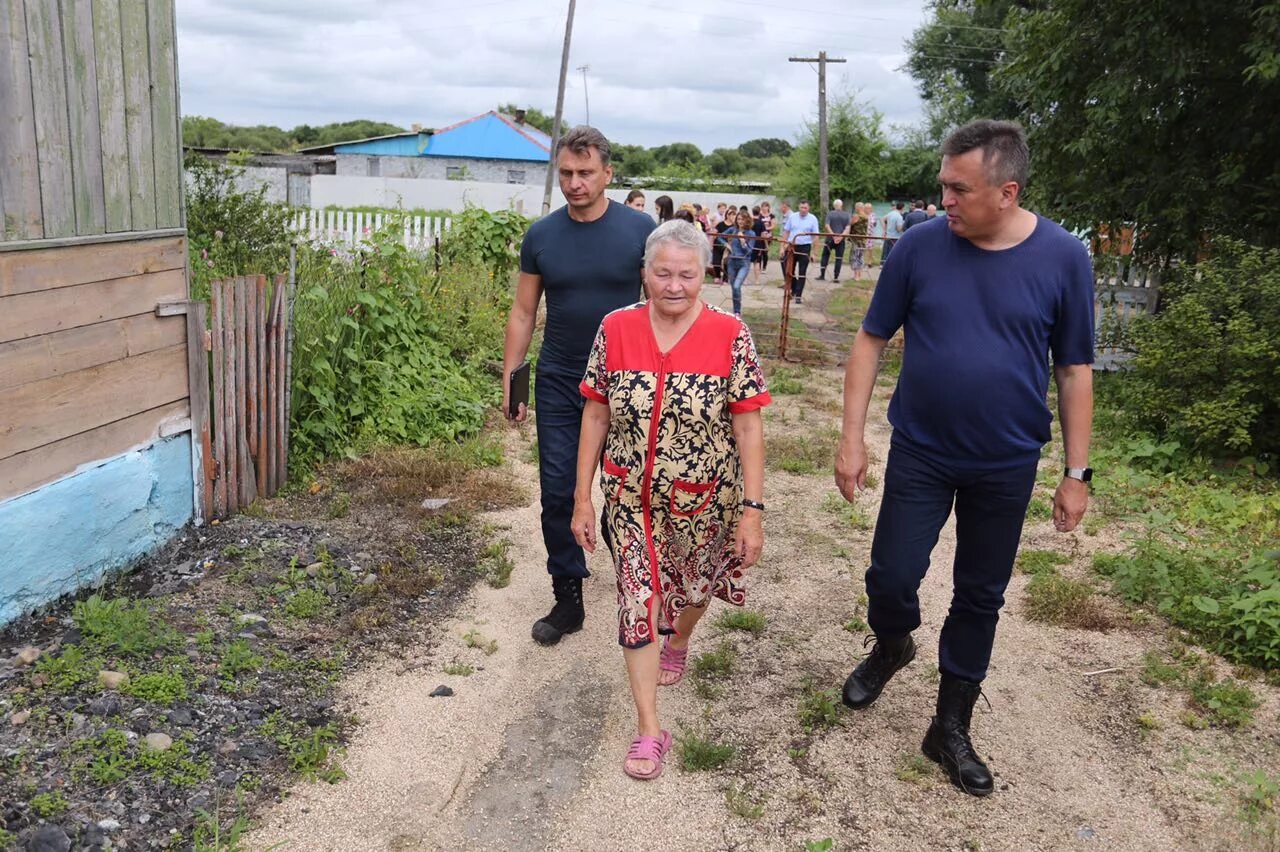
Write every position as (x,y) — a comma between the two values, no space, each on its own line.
(711,72)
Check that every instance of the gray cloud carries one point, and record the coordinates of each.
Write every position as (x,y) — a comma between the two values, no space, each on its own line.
(713,73)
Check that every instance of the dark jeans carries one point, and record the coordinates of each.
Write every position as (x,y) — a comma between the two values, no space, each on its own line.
(798,271)
(827,249)
(559,422)
(888,247)
(918,496)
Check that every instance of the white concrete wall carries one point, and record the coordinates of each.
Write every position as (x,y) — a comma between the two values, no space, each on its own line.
(275,179)
(437,168)
(352,191)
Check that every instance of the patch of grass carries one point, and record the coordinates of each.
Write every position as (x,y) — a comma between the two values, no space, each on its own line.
(804,452)
(238,658)
(312,752)
(826,844)
(797,753)
(1039,509)
(459,670)
(744,802)
(210,834)
(856,624)
(788,380)
(716,664)
(70,670)
(700,754)
(1260,795)
(747,620)
(1053,599)
(174,765)
(1040,561)
(164,687)
(1192,720)
(48,805)
(913,769)
(474,639)
(123,626)
(339,505)
(819,708)
(307,604)
(1226,703)
(1148,722)
(495,563)
(849,514)
(466,471)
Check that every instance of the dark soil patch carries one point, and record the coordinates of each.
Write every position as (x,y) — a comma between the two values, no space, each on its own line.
(234,637)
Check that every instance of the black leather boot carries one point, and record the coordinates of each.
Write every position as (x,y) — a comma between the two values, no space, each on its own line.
(566,616)
(947,741)
(868,680)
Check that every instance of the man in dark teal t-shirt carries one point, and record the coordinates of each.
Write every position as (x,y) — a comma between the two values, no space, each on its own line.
(586,258)
(985,299)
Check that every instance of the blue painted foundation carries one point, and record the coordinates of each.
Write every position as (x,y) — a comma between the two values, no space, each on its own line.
(71,533)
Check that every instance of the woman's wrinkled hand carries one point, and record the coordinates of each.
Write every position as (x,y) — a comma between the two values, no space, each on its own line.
(584,524)
(748,541)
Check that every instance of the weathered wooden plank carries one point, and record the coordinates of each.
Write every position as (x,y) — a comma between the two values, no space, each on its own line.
(18,161)
(218,339)
(32,314)
(63,352)
(251,369)
(45,269)
(167,142)
(29,470)
(86,135)
(39,413)
(230,464)
(52,123)
(244,470)
(109,62)
(286,338)
(139,130)
(272,384)
(198,385)
(260,365)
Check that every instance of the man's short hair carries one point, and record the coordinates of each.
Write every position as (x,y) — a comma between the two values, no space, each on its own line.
(803,201)
(581,139)
(1005,156)
(898,205)
(837,204)
(918,204)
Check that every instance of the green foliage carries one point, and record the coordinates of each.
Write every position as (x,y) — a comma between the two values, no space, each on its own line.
(110,758)
(121,626)
(702,754)
(856,624)
(1207,370)
(677,154)
(201,132)
(747,620)
(164,687)
(174,765)
(459,670)
(532,115)
(313,752)
(476,639)
(230,231)
(495,563)
(716,664)
(388,348)
(856,152)
(307,604)
(1261,794)
(819,708)
(760,149)
(1055,599)
(741,802)
(913,769)
(1121,135)
(1040,561)
(70,670)
(48,805)
(239,658)
(1226,703)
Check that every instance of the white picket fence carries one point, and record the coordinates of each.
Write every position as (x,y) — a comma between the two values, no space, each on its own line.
(344,227)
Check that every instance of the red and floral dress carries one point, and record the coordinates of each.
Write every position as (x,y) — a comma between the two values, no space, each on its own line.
(672,475)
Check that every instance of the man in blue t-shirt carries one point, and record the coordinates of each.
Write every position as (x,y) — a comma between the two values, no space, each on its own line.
(587,258)
(984,298)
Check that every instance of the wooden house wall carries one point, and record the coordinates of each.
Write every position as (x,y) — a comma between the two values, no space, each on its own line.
(87,368)
(90,141)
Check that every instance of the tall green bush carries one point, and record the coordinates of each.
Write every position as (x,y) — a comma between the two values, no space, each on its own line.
(231,231)
(388,347)
(1207,369)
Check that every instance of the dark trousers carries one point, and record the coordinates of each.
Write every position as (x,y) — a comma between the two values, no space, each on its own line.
(827,248)
(559,422)
(801,266)
(761,256)
(918,496)
(888,247)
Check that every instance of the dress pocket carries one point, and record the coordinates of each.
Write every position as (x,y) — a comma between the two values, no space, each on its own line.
(691,498)
(613,478)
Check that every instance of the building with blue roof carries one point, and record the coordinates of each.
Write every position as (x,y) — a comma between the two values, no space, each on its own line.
(492,147)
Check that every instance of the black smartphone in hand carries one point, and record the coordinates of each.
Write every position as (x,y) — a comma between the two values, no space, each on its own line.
(519,390)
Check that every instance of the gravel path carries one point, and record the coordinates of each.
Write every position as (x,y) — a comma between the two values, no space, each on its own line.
(527,754)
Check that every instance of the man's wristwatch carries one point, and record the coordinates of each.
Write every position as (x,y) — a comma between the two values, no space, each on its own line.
(1084,474)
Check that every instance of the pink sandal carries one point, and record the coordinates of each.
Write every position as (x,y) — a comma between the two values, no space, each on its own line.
(673,660)
(653,749)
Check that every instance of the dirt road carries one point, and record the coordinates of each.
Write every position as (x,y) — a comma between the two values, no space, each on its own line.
(527,754)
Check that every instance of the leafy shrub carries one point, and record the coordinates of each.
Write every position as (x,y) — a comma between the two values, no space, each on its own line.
(1208,365)
(122,626)
(388,349)
(230,231)
(486,239)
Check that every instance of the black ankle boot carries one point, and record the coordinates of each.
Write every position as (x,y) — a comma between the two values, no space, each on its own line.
(868,680)
(948,741)
(566,616)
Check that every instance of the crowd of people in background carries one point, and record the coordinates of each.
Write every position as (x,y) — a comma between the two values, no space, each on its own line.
(741,236)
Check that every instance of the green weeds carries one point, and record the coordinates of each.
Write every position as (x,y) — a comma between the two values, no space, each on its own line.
(475,639)
(48,805)
(1224,703)
(1054,599)
(122,626)
(495,563)
(747,620)
(701,754)
(1040,561)
(819,708)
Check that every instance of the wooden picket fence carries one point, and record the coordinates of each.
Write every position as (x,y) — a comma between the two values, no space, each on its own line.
(348,228)
(1123,291)
(250,358)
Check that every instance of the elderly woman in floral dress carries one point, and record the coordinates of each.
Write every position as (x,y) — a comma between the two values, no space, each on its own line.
(673,396)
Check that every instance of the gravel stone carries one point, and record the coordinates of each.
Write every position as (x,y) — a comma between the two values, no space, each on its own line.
(158,742)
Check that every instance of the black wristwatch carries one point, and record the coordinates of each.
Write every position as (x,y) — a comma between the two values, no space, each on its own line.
(1084,474)
(753,504)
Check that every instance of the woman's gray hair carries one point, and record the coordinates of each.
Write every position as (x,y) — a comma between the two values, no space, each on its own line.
(681,233)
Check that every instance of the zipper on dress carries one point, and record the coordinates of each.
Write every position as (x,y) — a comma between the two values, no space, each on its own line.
(646,490)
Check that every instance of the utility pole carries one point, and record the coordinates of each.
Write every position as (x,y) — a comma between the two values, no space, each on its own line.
(824,184)
(585,96)
(555,124)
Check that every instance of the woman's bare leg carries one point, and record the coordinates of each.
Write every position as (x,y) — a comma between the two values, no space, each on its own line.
(642,671)
(685,622)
